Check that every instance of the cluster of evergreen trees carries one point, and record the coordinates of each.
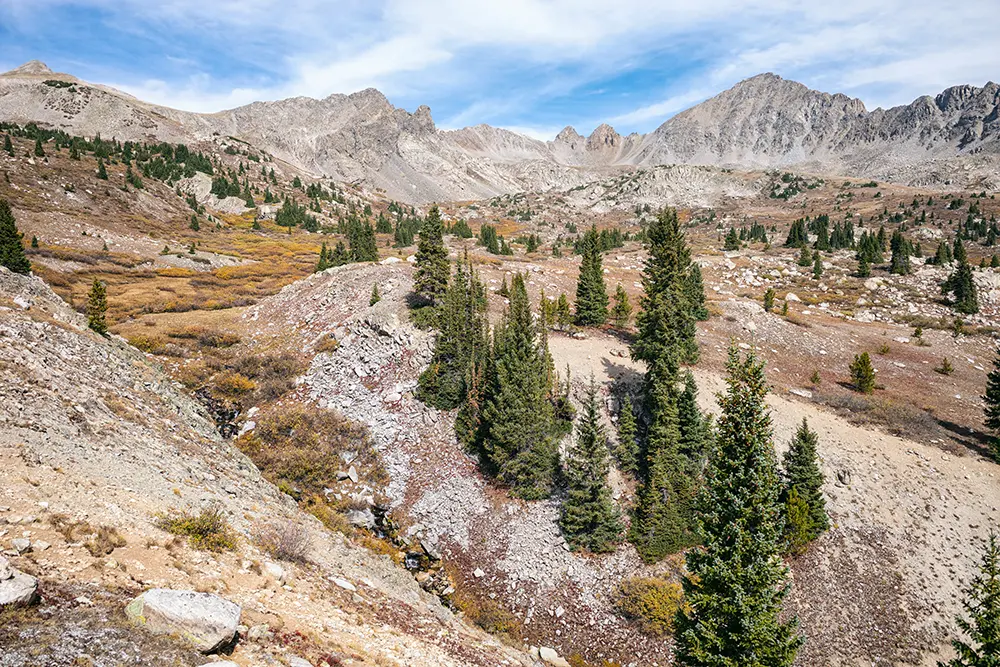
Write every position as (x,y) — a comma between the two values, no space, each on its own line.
(11,243)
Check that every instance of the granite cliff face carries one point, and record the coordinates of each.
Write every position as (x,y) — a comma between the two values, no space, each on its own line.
(763,122)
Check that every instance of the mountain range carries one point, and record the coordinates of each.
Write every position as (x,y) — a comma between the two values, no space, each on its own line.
(764,122)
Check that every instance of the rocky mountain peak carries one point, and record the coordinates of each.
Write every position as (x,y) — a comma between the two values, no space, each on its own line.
(32,67)
(568,135)
(603,137)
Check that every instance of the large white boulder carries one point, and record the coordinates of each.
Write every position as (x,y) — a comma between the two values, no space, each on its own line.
(17,589)
(208,622)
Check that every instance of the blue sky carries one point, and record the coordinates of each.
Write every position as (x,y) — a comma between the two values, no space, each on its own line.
(529,65)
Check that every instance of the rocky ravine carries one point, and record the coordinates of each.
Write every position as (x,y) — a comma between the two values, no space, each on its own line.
(883,585)
(93,432)
(763,122)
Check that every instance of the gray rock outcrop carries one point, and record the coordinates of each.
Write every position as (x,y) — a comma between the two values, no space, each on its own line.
(207,622)
(17,589)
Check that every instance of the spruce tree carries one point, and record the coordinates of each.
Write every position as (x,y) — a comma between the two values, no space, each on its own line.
(805,256)
(590,519)
(667,318)
(324,259)
(460,347)
(102,173)
(97,306)
(899,264)
(864,267)
(991,404)
(737,581)
(663,518)
(375,296)
(621,313)
(627,451)
(732,240)
(7,145)
(361,237)
(803,477)
(433,268)
(694,289)
(817,266)
(516,419)
(563,315)
(11,248)
(691,423)
(981,624)
(863,373)
(39,151)
(194,224)
(591,293)
(965,297)
(339,256)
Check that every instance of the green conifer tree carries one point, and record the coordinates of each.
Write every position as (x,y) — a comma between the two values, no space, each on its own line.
(627,451)
(769,299)
(737,581)
(863,373)
(433,269)
(375,296)
(516,419)
(590,519)
(621,313)
(965,297)
(817,266)
(803,476)
(563,315)
(694,289)
(899,264)
(805,256)
(102,173)
(732,240)
(11,247)
(691,423)
(864,267)
(97,307)
(460,347)
(591,293)
(991,404)
(39,151)
(194,225)
(667,318)
(981,625)
(324,259)
(7,145)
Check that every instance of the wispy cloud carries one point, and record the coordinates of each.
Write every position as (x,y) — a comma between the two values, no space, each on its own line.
(529,64)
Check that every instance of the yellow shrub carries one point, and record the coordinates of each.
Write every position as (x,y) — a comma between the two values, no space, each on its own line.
(233,385)
(651,601)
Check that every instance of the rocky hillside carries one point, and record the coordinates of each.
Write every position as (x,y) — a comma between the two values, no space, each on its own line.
(97,443)
(762,122)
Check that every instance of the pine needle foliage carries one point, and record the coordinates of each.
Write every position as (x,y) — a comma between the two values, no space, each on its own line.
(460,348)
(590,519)
(737,581)
(11,247)
(591,292)
(97,306)
(517,430)
(433,268)
(804,480)
(980,626)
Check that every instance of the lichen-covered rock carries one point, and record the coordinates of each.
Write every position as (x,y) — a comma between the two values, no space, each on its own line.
(208,622)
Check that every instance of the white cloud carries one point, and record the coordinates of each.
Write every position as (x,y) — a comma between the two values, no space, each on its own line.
(501,62)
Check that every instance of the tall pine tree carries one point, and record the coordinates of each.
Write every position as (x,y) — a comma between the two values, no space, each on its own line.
(11,247)
(591,293)
(621,313)
(737,582)
(668,309)
(590,519)
(516,419)
(433,269)
(627,451)
(693,436)
(991,404)
(460,346)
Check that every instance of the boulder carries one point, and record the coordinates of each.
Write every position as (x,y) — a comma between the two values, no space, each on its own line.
(17,589)
(551,657)
(207,622)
